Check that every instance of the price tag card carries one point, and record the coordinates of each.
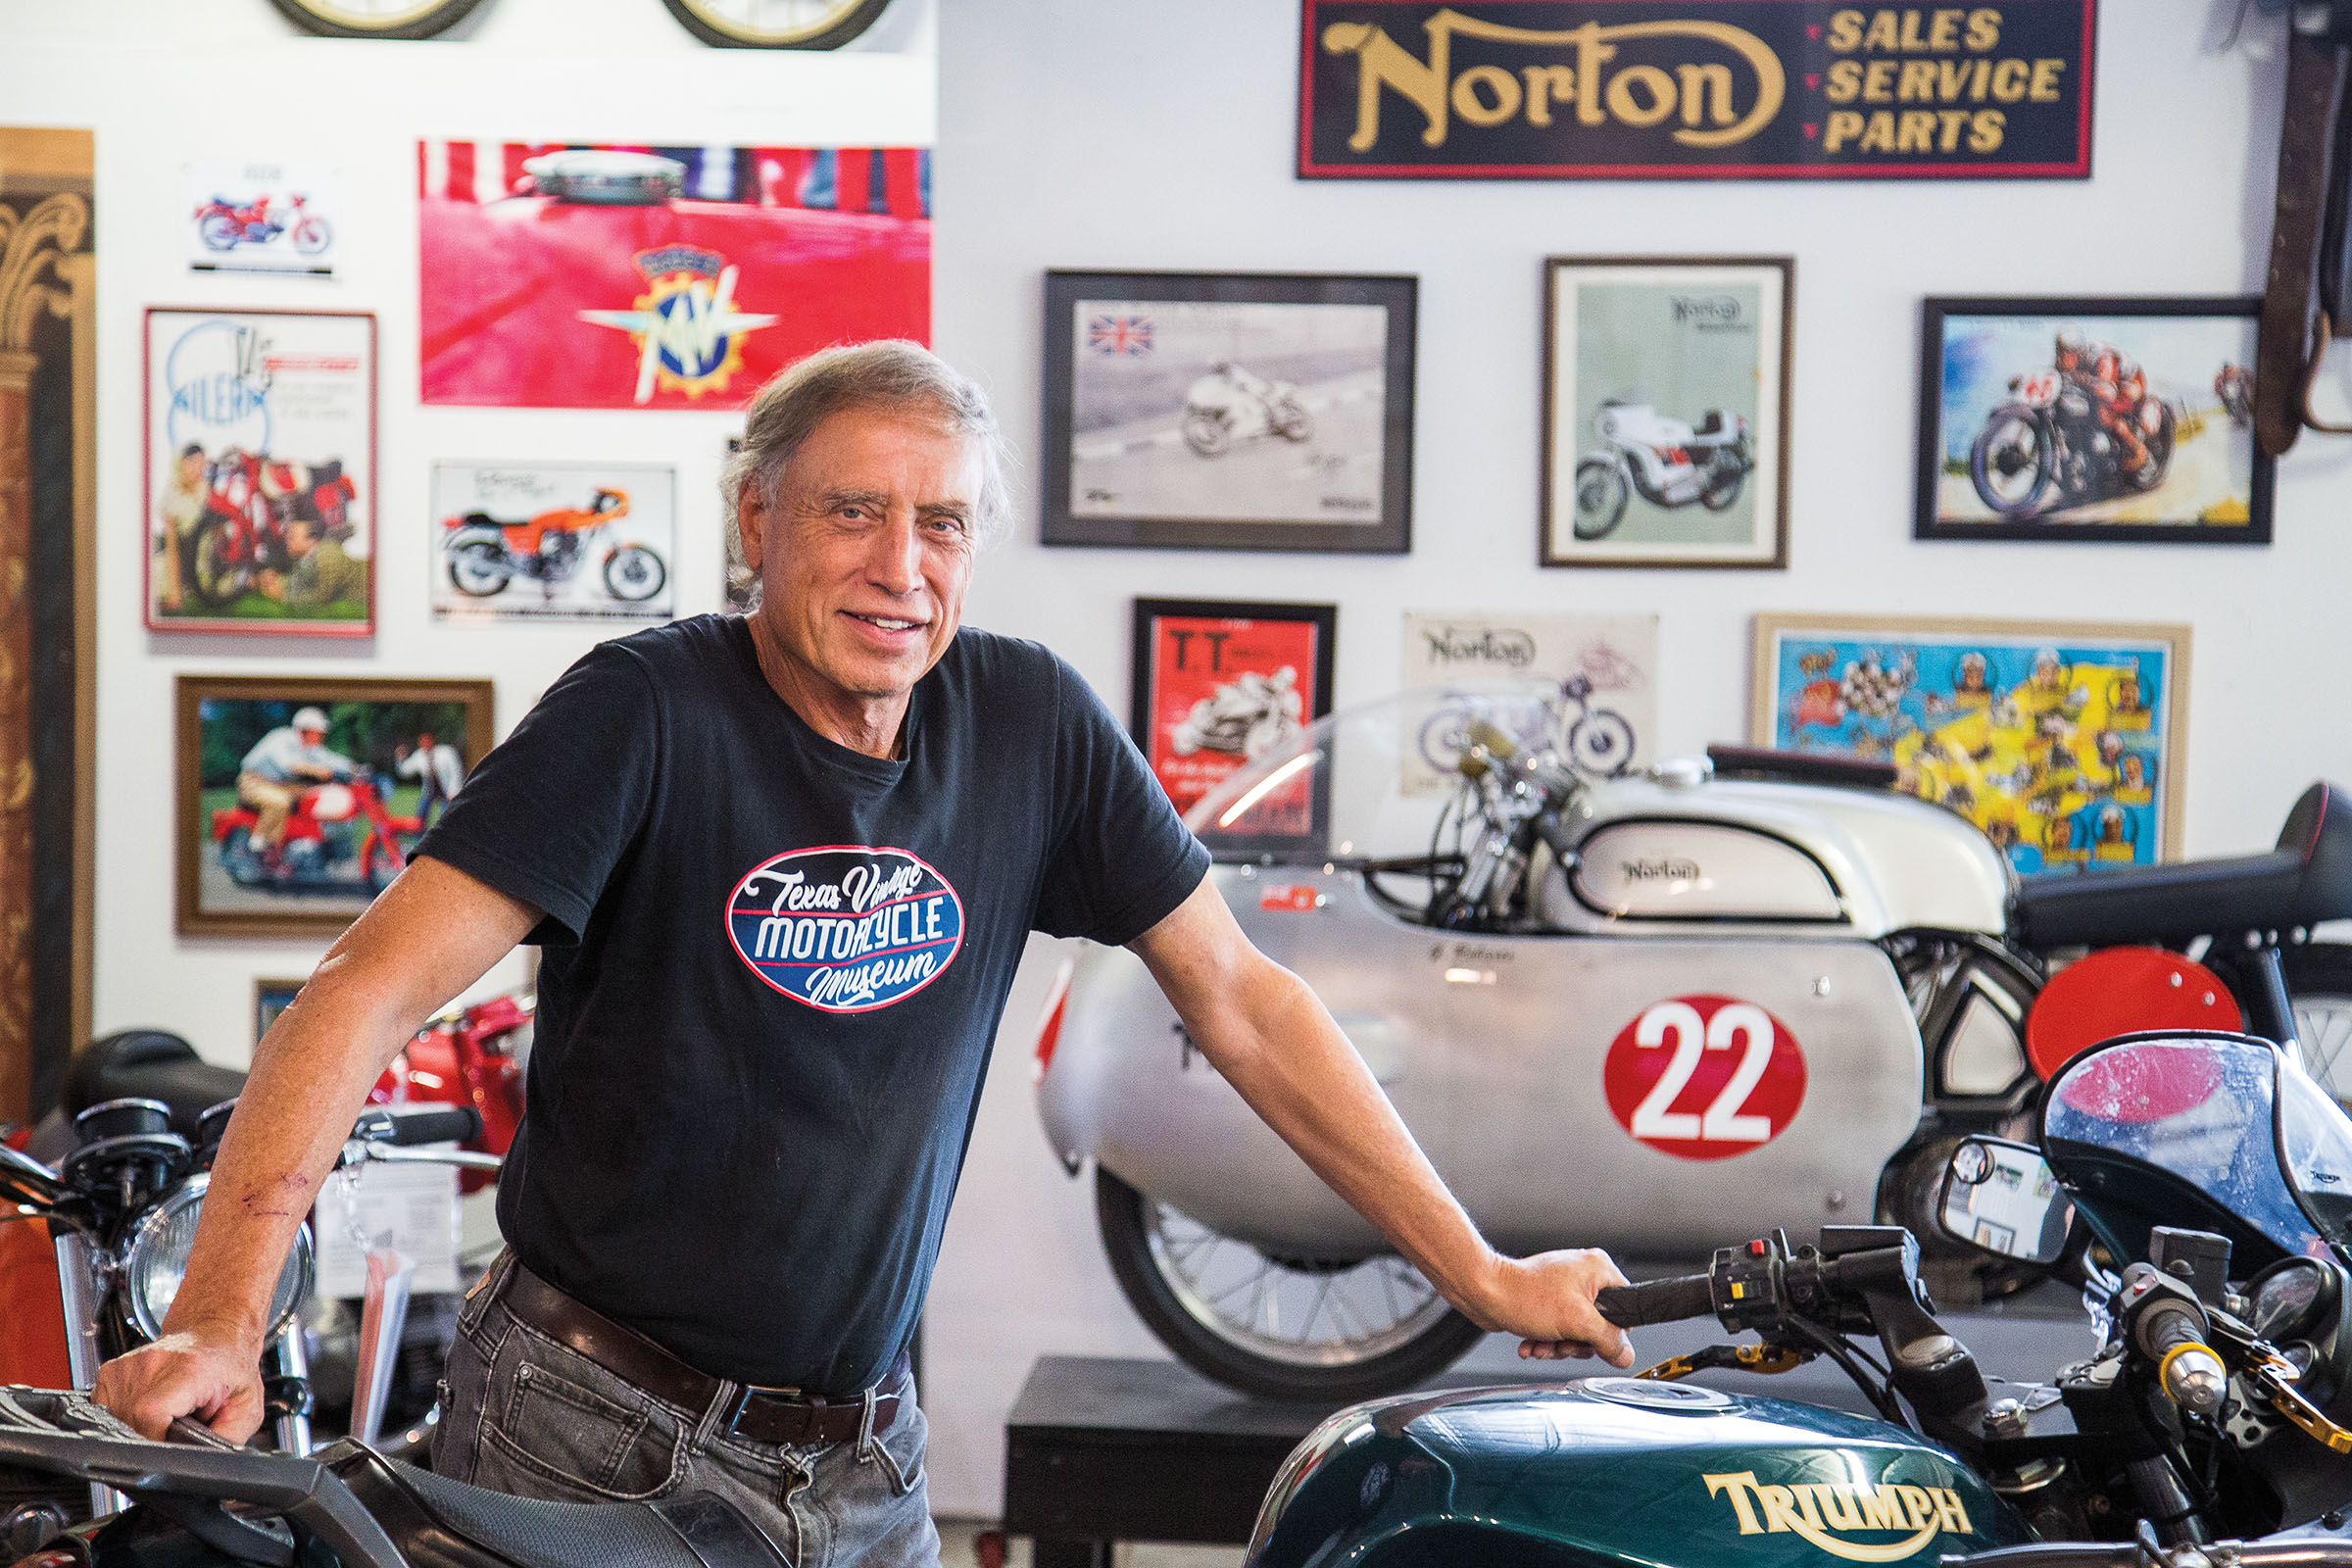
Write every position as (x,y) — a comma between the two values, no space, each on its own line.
(412,1208)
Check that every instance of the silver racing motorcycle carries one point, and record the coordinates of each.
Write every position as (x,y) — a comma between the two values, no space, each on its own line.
(1637,1012)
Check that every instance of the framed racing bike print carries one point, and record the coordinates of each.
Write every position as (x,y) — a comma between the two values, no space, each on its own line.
(1219,684)
(2119,420)
(1666,411)
(1202,411)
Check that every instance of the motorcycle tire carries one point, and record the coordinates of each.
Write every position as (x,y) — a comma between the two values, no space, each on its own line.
(1602,743)
(395,19)
(717,25)
(1291,422)
(215,583)
(2152,473)
(1980,460)
(312,235)
(237,858)
(1724,493)
(634,573)
(1422,1344)
(1208,436)
(477,568)
(1602,496)
(220,232)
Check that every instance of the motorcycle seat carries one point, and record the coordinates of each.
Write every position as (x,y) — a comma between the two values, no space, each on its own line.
(1712,424)
(2306,879)
(148,1064)
(433,1519)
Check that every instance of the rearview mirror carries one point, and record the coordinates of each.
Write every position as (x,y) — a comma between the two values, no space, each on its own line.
(2000,1197)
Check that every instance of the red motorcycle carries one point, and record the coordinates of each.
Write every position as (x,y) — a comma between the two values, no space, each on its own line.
(364,830)
(224,225)
(250,500)
(469,1056)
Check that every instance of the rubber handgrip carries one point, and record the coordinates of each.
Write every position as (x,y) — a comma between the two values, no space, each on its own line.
(459,1125)
(2167,1327)
(1674,1301)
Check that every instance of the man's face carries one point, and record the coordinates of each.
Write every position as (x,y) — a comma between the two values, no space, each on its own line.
(864,562)
(312,737)
(191,469)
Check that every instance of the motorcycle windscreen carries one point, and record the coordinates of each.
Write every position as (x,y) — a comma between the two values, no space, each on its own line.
(2181,1130)
(1372,783)
(32,1313)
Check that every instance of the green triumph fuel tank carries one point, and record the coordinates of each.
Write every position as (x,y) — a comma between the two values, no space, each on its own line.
(1612,1471)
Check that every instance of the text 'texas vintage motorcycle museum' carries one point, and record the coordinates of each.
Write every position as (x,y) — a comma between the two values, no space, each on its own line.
(1308,784)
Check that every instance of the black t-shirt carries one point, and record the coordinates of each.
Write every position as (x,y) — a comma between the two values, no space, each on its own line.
(773,969)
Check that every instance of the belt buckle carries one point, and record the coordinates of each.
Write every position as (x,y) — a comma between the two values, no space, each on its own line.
(743,1402)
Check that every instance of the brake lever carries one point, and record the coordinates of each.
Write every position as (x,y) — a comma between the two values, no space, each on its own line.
(361,1152)
(1767,1358)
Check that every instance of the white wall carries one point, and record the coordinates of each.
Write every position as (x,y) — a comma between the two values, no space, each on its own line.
(1117,134)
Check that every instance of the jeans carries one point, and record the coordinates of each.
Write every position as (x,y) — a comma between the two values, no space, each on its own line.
(525,1414)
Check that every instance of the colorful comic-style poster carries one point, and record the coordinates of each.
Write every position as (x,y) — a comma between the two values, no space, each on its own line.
(660,278)
(1219,685)
(2062,742)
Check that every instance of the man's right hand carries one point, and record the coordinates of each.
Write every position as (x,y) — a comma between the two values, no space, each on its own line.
(218,1382)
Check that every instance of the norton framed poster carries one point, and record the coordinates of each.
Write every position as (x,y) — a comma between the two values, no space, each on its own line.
(1694,89)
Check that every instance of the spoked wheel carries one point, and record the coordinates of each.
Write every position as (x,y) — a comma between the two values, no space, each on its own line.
(634,573)
(1602,743)
(376,19)
(479,568)
(2012,461)
(1325,1330)
(2319,982)
(775,23)
(217,580)
(1601,494)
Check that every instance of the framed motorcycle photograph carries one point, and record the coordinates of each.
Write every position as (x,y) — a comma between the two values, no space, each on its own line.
(259,484)
(271,997)
(300,799)
(2120,420)
(2062,740)
(1666,411)
(1219,683)
(553,541)
(1229,410)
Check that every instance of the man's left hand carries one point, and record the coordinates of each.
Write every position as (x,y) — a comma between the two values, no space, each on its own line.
(1547,1300)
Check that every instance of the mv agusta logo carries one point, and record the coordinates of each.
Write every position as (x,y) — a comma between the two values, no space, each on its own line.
(846,928)
(688,331)
(1826,1514)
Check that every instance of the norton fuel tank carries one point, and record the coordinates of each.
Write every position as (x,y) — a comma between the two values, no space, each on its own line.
(1616,1471)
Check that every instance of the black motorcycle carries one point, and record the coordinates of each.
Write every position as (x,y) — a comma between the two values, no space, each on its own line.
(2047,449)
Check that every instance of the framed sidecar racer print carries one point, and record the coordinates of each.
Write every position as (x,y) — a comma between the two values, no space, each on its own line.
(300,799)
(1666,411)
(1229,410)
(2062,740)
(2120,420)
(259,492)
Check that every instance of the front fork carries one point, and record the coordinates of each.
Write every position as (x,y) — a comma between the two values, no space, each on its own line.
(77,1293)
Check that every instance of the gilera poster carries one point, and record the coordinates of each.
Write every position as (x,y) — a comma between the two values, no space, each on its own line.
(662,278)
(262,217)
(1219,685)
(260,471)
(553,541)
(1694,89)
(1606,664)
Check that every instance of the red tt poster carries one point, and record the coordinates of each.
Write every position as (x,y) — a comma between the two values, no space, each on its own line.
(1219,685)
(660,278)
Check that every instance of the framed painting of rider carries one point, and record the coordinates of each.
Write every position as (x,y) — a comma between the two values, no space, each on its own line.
(1218,684)
(300,799)
(259,491)
(1229,410)
(2120,420)
(1666,411)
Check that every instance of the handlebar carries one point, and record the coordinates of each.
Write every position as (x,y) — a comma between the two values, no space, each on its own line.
(459,1125)
(1672,1300)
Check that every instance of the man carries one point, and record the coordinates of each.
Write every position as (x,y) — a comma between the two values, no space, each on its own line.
(324,572)
(438,770)
(795,862)
(274,774)
(179,510)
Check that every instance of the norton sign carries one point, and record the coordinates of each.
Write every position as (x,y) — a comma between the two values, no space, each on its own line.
(1694,89)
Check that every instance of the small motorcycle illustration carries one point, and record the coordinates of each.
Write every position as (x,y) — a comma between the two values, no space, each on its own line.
(246,508)
(330,824)
(2050,438)
(485,553)
(2233,384)
(224,225)
(1664,461)
(1243,718)
(1230,405)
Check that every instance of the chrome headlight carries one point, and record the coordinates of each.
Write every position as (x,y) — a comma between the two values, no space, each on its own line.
(159,1258)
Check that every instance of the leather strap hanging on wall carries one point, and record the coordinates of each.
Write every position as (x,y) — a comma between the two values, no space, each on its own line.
(2310,190)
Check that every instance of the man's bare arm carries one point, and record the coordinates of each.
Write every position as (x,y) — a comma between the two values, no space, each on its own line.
(1266,1033)
(433,933)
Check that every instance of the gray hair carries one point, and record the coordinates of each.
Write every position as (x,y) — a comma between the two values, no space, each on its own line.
(889,373)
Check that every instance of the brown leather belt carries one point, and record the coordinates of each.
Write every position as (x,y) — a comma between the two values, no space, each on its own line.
(784,1416)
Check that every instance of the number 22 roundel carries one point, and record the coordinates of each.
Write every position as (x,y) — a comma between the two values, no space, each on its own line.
(1704,1077)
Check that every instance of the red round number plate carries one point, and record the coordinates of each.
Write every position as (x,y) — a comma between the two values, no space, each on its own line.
(1704,1077)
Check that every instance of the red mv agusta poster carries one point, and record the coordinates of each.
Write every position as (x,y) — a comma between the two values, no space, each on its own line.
(660,278)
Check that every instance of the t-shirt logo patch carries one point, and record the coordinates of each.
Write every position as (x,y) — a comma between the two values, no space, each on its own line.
(846,928)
